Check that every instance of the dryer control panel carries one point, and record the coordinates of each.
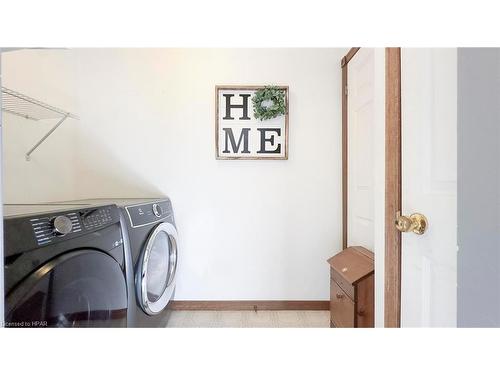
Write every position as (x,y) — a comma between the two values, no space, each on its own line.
(149,213)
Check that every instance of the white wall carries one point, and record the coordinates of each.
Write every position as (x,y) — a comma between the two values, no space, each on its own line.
(249,229)
(47,75)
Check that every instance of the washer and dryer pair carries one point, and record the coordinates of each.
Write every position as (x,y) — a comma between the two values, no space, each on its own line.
(92,263)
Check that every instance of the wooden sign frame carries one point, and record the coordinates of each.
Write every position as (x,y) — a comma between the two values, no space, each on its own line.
(218,88)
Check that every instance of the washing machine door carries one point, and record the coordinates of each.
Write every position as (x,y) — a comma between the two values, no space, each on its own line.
(82,288)
(155,277)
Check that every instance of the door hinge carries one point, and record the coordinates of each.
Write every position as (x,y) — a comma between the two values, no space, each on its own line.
(345,90)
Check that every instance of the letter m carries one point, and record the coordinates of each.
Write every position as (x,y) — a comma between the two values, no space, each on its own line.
(229,139)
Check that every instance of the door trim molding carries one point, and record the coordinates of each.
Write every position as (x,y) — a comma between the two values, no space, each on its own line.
(392,277)
(392,289)
(343,64)
(348,56)
(250,305)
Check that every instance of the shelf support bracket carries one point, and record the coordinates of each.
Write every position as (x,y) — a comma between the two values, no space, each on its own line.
(28,154)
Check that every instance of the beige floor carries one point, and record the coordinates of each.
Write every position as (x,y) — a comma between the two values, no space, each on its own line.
(249,319)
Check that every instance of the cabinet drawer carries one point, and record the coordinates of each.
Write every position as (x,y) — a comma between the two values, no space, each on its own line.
(346,287)
(341,307)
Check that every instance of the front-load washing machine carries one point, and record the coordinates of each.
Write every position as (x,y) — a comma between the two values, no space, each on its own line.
(65,266)
(153,240)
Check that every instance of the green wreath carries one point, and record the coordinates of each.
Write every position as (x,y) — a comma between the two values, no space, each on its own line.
(269,103)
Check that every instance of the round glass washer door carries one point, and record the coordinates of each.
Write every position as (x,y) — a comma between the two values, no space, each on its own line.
(157,267)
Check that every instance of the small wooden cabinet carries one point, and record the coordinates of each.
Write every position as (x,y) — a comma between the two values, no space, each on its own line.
(352,288)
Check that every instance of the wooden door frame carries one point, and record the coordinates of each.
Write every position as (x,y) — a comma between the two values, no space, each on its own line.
(392,282)
(392,277)
(343,64)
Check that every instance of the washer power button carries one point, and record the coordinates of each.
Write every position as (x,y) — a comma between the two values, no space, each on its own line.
(157,210)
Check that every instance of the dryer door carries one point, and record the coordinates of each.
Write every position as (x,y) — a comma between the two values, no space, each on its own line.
(157,266)
(82,288)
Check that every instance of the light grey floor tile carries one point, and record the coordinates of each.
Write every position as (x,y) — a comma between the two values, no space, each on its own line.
(201,319)
(176,319)
(317,319)
(249,319)
(262,319)
(291,319)
(232,319)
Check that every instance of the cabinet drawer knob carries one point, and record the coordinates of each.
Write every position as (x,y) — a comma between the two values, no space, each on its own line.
(361,312)
(340,296)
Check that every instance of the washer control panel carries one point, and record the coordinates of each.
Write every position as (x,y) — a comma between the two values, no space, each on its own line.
(49,228)
(96,218)
(46,228)
(149,213)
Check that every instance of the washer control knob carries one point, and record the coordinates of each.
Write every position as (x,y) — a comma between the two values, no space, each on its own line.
(62,225)
(157,210)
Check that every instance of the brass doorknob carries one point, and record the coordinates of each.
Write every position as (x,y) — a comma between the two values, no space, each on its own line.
(416,223)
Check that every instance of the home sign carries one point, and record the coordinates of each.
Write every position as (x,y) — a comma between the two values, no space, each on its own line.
(251,122)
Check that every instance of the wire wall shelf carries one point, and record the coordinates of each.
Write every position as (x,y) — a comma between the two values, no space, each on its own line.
(18,104)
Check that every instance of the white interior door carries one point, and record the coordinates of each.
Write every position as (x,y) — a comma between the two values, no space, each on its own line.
(429,186)
(366,160)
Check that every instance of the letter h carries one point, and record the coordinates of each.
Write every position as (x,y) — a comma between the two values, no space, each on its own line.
(230,106)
